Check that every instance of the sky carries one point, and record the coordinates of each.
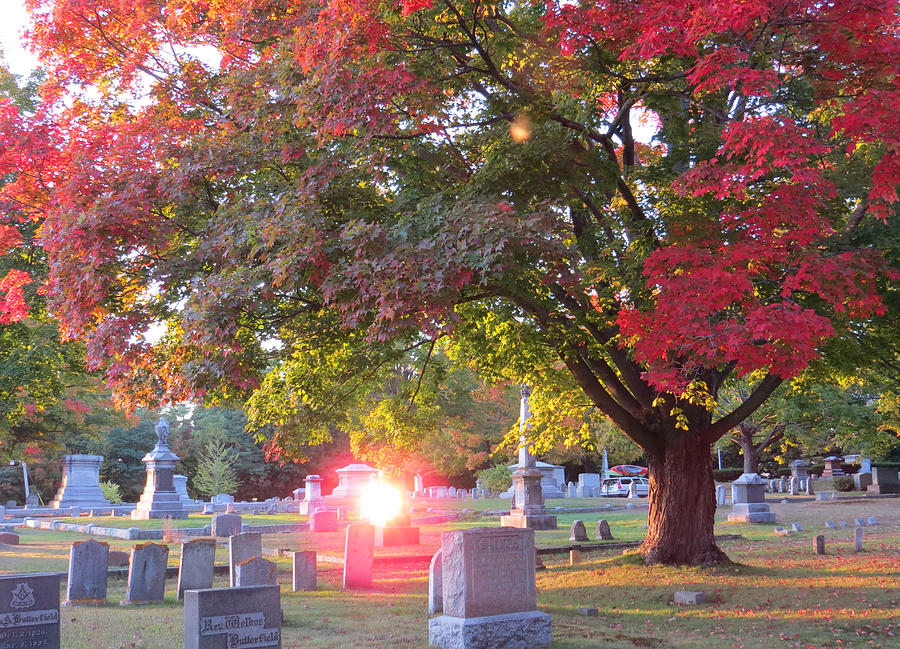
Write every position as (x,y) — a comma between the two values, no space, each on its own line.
(12,21)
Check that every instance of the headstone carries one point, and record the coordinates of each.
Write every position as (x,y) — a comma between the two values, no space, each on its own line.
(845,524)
(857,539)
(180,482)
(782,486)
(796,527)
(721,494)
(86,583)
(312,495)
(574,556)
(299,493)
(589,611)
(303,565)
(571,490)
(419,484)
(10,504)
(820,544)
(209,508)
(198,557)
(632,490)
(885,480)
(780,531)
(860,522)
(773,486)
(809,487)
(242,547)
(223,499)
(225,525)
(29,611)
(794,485)
(323,520)
(147,574)
(9,538)
(798,469)
(436,584)
(603,531)
(629,505)
(118,558)
(871,520)
(225,618)
(229,508)
(830,525)
(489,591)
(690,597)
(359,554)
(2,513)
(587,482)
(749,500)
(861,481)
(577,532)
(528,509)
(255,571)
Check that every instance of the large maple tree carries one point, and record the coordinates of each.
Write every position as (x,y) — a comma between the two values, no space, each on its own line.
(355,178)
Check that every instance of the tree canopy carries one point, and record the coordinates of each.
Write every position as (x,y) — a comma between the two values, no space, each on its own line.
(633,199)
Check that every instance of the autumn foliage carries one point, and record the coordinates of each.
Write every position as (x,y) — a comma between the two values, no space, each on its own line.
(676,205)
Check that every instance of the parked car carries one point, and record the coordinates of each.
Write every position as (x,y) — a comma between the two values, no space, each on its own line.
(612,487)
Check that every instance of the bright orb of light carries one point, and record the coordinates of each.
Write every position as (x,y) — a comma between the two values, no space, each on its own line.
(381,503)
(520,129)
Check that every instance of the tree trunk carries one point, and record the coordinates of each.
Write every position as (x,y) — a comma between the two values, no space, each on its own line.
(751,458)
(682,506)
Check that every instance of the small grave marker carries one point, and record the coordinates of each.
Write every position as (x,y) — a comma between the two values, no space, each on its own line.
(240,548)
(147,574)
(820,544)
(578,533)
(603,531)
(435,584)
(197,565)
(86,584)
(690,597)
(857,539)
(359,549)
(225,525)
(303,566)
(255,571)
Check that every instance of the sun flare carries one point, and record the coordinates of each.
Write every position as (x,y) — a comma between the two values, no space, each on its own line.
(381,503)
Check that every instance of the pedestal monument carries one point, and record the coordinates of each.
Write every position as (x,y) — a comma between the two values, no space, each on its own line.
(80,483)
(527,509)
(160,498)
(748,494)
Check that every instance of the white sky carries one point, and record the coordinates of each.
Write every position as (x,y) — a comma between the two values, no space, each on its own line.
(13,18)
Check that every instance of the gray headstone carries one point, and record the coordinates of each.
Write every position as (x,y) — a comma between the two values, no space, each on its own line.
(323,520)
(603,531)
(577,532)
(690,597)
(255,572)
(860,522)
(820,544)
(223,618)
(589,611)
(872,520)
(9,538)
(209,508)
(436,584)
(86,583)
(488,571)
(303,566)
(858,538)
(721,494)
(830,525)
(794,485)
(796,527)
(359,555)
(845,524)
(810,491)
(242,547)
(29,611)
(571,490)
(780,531)
(229,508)
(195,571)
(225,525)
(147,574)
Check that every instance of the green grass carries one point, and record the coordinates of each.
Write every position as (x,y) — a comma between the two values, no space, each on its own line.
(776,594)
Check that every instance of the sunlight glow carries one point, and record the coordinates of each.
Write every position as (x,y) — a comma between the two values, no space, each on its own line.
(381,503)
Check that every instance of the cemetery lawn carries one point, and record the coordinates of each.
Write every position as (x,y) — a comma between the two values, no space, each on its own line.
(778,593)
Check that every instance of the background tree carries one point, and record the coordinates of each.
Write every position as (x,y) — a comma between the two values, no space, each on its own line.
(359,179)
(216,473)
